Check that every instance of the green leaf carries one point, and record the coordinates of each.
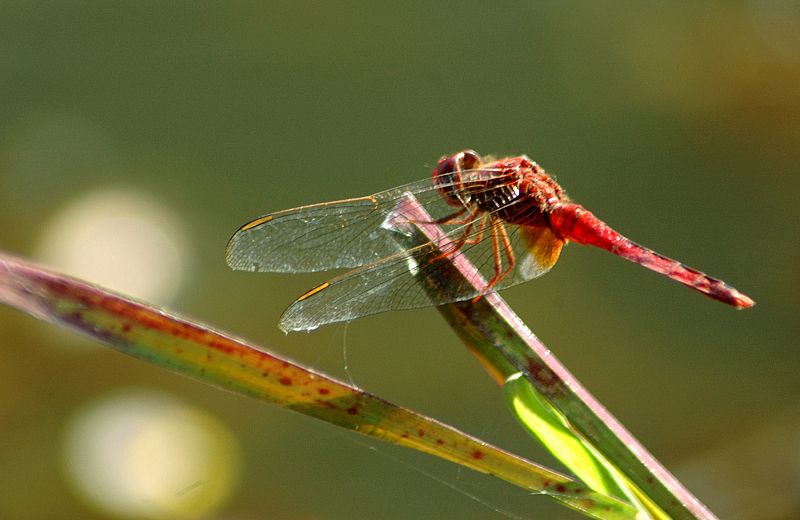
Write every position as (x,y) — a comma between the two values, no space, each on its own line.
(551,428)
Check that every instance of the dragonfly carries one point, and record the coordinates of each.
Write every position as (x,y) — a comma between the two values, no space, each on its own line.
(507,216)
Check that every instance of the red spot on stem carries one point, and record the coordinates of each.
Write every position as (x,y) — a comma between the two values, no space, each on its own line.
(547,381)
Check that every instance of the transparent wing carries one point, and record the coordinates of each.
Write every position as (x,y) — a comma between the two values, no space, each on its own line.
(393,283)
(345,233)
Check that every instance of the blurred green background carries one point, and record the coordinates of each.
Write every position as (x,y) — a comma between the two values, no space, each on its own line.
(144,133)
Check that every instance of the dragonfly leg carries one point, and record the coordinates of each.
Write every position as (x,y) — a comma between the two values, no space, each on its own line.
(479,235)
(465,238)
(465,235)
(499,239)
(455,246)
(512,261)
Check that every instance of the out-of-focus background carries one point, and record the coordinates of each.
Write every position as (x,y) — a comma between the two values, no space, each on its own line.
(136,137)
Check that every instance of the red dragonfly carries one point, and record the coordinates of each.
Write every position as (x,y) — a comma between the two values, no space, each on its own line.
(508,216)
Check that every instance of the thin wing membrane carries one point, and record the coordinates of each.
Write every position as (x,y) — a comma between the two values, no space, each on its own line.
(390,284)
(342,234)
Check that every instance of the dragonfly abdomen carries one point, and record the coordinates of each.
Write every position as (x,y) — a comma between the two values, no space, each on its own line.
(573,222)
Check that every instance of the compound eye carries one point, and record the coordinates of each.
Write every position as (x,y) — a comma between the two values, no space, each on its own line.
(447,175)
(458,162)
(468,160)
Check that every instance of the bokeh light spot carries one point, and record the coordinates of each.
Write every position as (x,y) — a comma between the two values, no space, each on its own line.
(121,239)
(141,454)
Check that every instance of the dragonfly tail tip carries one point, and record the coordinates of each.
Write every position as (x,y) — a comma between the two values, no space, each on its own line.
(742,301)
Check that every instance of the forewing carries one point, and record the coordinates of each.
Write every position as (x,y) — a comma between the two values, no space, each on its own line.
(346,233)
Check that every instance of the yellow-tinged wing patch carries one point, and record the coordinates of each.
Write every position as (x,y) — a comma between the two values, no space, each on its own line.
(313,291)
(544,248)
(256,222)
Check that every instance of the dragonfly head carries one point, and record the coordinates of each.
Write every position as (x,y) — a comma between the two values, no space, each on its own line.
(447,174)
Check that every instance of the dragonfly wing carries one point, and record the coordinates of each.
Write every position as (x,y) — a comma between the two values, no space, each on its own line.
(330,235)
(544,248)
(395,282)
(312,238)
(370,289)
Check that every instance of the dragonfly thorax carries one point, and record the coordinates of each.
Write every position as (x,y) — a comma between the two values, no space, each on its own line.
(515,189)
(524,194)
